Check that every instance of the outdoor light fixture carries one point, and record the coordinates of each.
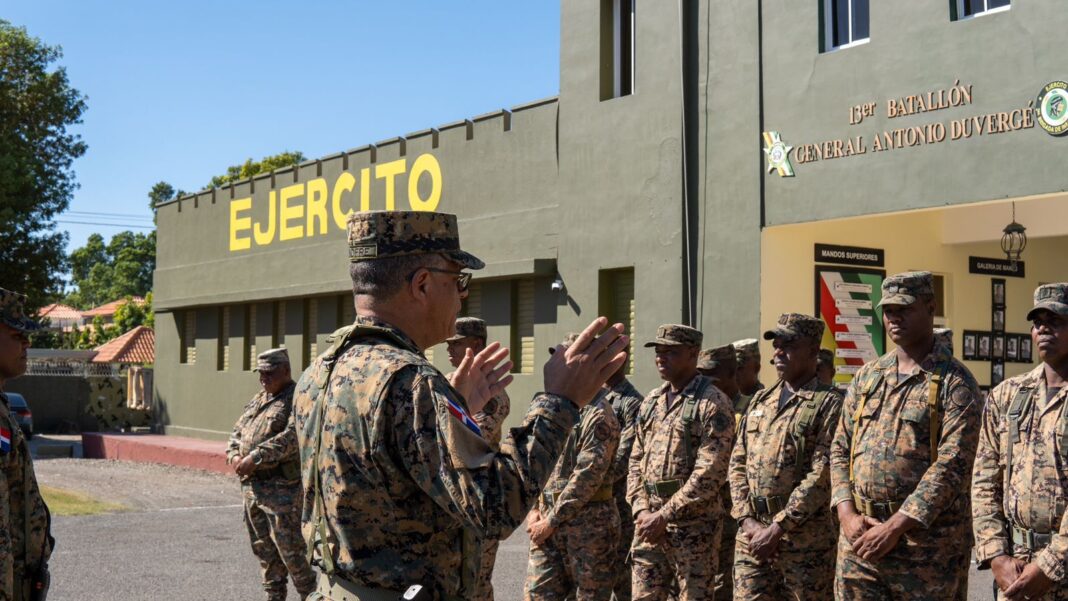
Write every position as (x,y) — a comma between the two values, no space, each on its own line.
(558,284)
(1014,240)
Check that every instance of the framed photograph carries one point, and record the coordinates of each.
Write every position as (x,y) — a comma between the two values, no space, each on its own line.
(971,343)
(998,321)
(1025,348)
(984,346)
(1012,345)
(997,373)
(997,351)
(997,292)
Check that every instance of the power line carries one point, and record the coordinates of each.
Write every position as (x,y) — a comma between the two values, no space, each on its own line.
(145,227)
(95,214)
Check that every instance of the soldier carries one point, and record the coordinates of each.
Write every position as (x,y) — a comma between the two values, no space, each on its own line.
(779,475)
(944,336)
(677,471)
(748,351)
(720,365)
(263,451)
(471,335)
(825,367)
(26,540)
(1020,485)
(399,483)
(901,461)
(574,529)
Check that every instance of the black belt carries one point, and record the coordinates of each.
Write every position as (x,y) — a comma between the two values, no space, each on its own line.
(664,488)
(766,506)
(1034,541)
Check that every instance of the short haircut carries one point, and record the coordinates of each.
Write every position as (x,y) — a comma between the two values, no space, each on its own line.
(382,278)
(826,357)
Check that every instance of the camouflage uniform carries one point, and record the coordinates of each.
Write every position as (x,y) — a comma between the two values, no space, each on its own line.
(491,421)
(26,542)
(679,469)
(892,469)
(1024,516)
(625,401)
(746,350)
(577,561)
(399,484)
(272,495)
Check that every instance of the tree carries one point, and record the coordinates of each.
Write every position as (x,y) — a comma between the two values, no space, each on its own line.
(250,167)
(101,274)
(129,314)
(36,152)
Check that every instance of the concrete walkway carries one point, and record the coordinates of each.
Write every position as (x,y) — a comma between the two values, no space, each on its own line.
(157,448)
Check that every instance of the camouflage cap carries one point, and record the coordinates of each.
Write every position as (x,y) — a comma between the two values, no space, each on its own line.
(944,337)
(794,326)
(904,288)
(13,313)
(712,358)
(676,335)
(825,357)
(746,349)
(568,340)
(468,326)
(268,360)
(379,234)
(1050,297)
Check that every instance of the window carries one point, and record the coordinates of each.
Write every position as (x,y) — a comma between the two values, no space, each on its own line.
(844,23)
(222,356)
(278,335)
(472,305)
(617,48)
(249,359)
(615,299)
(310,340)
(523,326)
(188,337)
(346,310)
(962,9)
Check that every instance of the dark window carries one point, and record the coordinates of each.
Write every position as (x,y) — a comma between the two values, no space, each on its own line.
(617,48)
(845,22)
(971,8)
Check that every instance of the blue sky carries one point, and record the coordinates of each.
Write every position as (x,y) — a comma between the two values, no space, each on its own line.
(178,91)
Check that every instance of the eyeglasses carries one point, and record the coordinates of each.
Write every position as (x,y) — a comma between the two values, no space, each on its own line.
(463,280)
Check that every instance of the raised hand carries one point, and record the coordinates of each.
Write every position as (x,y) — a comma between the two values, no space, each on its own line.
(481,377)
(578,371)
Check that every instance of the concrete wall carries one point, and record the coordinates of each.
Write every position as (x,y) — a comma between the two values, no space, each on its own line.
(56,402)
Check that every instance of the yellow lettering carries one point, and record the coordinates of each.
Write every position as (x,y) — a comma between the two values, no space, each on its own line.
(426,163)
(289,213)
(365,189)
(389,172)
(345,183)
(265,237)
(240,224)
(316,206)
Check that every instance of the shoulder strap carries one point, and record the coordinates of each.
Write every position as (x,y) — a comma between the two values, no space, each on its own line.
(878,379)
(935,387)
(805,419)
(689,412)
(1021,403)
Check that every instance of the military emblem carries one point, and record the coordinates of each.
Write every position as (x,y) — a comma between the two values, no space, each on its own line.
(778,154)
(1053,108)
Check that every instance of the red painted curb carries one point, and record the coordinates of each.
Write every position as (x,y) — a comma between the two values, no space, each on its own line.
(155,448)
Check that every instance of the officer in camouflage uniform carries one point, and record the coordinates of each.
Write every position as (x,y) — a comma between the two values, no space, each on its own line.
(677,471)
(400,486)
(779,475)
(574,529)
(1020,483)
(825,367)
(901,461)
(748,354)
(26,542)
(720,365)
(263,451)
(471,334)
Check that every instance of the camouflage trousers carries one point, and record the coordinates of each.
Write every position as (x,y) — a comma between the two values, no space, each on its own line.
(923,567)
(803,569)
(685,561)
(272,517)
(725,568)
(578,561)
(621,588)
(484,583)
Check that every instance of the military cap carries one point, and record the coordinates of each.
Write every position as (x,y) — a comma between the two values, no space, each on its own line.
(712,358)
(13,312)
(380,234)
(746,349)
(676,335)
(825,357)
(268,360)
(944,336)
(468,326)
(569,339)
(1050,297)
(793,326)
(905,288)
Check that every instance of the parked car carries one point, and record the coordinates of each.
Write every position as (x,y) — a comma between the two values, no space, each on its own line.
(20,411)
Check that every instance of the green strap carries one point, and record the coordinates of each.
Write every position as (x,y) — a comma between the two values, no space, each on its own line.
(1021,404)
(804,423)
(689,413)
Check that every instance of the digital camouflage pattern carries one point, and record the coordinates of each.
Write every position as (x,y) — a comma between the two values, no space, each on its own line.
(676,335)
(380,234)
(1051,297)
(725,569)
(892,463)
(1035,497)
(25,542)
(780,458)
(107,404)
(270,359)
(747,349)
(491,421)
(626,402)
(695,456)
(13,312)
(469,326)
(794,326)
(710,359)
(272,493)
(402,476)
(577,561)
(905,288)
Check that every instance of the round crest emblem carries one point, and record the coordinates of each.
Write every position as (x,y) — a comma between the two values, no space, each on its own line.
(1053,108)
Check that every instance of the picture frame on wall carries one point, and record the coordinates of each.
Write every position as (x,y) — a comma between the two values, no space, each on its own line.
(971,345)
(1012,345)
(998,319)
(984,346)
(997,349)
(997,292)
(1025,348)
(997,373)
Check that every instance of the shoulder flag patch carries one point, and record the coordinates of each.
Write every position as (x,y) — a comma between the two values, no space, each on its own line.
(458,412)
(5,440)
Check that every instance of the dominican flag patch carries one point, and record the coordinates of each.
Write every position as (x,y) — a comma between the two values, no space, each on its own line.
(455,409)
(5,440)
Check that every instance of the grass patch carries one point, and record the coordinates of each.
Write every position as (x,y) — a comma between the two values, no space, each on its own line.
(66,502)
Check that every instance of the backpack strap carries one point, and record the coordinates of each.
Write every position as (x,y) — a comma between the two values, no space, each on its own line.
(935,386)
(689,414)
(856,420)
(1021,404)
(805,419)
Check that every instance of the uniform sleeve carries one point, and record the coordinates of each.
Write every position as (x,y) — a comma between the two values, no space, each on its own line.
(840,447)
(233,447)
(739,482)
(713,455)
(813,492)
(491,421)
(944,479)
(488,492)
(637,498)
(281,446)
(7,560)
(988,514)
(628,419)
(1051,560)
(596,449)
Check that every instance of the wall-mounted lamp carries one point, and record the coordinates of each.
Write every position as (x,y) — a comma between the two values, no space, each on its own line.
(1014,239)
